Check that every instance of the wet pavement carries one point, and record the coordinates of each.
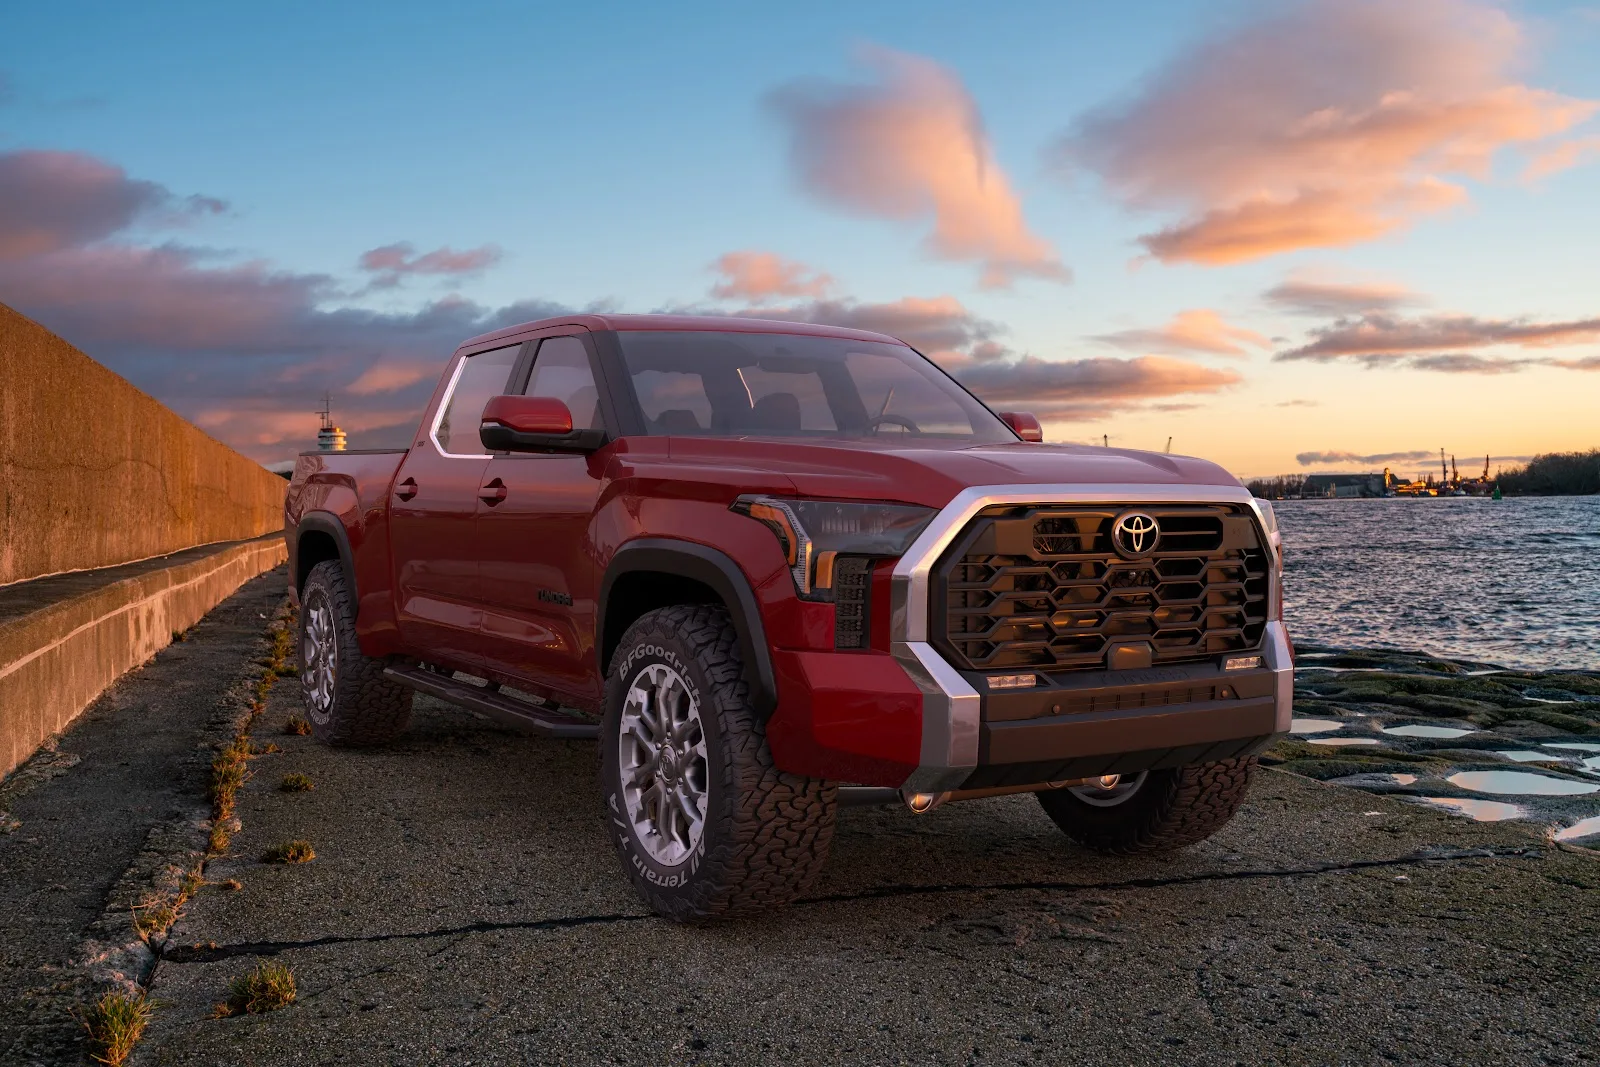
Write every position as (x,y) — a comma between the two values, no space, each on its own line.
(465,906)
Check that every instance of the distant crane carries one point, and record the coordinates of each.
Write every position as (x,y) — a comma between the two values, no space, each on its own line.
(1169,446)
(1444,472)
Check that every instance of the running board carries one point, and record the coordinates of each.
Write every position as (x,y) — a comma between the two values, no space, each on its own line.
(505,709)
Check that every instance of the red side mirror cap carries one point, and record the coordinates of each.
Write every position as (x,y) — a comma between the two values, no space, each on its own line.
(529,414)
(1023,424)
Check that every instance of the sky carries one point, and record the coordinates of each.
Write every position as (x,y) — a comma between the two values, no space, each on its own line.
(1294,236)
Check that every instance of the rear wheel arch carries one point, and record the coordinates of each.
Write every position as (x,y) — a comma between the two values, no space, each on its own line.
(320,536)
(654,572)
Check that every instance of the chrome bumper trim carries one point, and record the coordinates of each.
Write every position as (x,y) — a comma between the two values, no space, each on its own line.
(951,709)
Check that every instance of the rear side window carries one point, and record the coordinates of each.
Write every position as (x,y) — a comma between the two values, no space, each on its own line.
(479,378)
(562,372)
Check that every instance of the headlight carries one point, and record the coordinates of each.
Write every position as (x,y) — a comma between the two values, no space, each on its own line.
(814,533)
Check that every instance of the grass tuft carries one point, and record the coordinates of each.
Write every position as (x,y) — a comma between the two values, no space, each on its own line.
(115,1023)
(298,726)
(267,988)
(295,782)
(296,851)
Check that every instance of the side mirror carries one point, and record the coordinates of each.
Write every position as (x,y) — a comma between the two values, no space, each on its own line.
(1023,424)
(533,424)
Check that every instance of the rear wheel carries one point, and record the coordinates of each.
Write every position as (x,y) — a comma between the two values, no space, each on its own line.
(348,699)
(1153,811)
(704,823)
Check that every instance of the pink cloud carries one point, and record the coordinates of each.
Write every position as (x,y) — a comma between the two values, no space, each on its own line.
(1324,124)
(1196,330)
(1561,156)
(763,275)
(393,262)
(54,200)
(1087,388)
(1305,294)
(1385,336)
(910,145)
(390,377)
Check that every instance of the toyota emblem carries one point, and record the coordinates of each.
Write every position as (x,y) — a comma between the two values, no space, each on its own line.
(1135,534)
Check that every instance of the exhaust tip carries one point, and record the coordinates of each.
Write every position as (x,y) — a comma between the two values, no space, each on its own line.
(922,803)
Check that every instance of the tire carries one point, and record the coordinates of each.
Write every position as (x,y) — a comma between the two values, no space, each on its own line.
(1167,810)
(763,834)
(348,700)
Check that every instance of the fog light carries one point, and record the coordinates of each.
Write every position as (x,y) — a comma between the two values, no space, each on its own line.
(1013,681)
(1241,663)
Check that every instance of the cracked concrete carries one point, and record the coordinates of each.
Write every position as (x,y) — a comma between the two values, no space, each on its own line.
(465,907)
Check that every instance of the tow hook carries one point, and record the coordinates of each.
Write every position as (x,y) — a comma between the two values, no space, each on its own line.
(922,803)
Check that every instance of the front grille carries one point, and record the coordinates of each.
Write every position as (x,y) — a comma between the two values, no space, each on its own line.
(1042,587)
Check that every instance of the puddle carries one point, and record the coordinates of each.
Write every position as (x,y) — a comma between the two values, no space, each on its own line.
(1314,726)
(1576,746)
(1520,783)
(1480,810)
(1403,779)
(1340,741)
(1585,828)
(1427,731)
(1527,756)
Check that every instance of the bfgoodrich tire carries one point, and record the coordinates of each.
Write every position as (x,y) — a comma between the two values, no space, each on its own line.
(704,823)
(348,700)
(1159,811)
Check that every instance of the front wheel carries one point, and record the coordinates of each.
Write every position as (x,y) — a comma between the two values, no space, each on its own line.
(1153,811)
(348,699)
(704,823)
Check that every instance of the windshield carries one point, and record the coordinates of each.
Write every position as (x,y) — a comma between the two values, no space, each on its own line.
(791,385)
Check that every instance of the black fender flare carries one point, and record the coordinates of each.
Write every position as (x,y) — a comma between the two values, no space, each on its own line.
(328,523)
(722,575)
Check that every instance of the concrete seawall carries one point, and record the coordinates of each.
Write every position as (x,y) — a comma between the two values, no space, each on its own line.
(63,640)
(95,473)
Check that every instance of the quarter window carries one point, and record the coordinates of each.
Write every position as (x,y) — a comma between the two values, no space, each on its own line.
(481,377)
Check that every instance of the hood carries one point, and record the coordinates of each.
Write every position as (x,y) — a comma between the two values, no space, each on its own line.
(932,476)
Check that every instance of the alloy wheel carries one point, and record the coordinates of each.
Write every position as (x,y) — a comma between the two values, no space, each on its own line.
(662,759)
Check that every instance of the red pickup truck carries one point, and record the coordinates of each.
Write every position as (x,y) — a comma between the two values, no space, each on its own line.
(776,568)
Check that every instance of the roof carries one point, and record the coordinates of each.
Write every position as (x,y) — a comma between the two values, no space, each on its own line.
(708,323)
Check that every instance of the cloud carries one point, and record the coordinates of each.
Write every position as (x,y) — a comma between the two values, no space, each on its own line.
(754,275)
(1299,404)
(1079,389)
(969,347)
(1305,295)
(907,145)
(391,263)
(387,377)
(1198,330)
(939,327)
(1321,124)
(1436,342)
(1317,459)
(1562,156)
(243,348)
(55,200)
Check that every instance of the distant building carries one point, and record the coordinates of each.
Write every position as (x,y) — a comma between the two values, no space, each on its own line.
(1343,485)
(329,438)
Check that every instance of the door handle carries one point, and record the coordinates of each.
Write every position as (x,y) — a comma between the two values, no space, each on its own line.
(493,493)
(406,489)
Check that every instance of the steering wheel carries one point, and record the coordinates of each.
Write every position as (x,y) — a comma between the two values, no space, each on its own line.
(898,420)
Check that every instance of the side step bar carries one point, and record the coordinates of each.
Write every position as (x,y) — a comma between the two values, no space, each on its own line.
(509,710)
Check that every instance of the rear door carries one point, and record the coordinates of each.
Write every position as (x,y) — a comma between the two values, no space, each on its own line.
(432,513)
(538,578)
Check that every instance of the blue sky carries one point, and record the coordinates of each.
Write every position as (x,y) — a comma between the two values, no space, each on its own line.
(614,151)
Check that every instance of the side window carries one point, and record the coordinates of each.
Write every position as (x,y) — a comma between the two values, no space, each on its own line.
(675,403)
(481,377)
(561,371)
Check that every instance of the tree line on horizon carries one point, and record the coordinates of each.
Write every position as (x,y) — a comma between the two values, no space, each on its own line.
(1548,474)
